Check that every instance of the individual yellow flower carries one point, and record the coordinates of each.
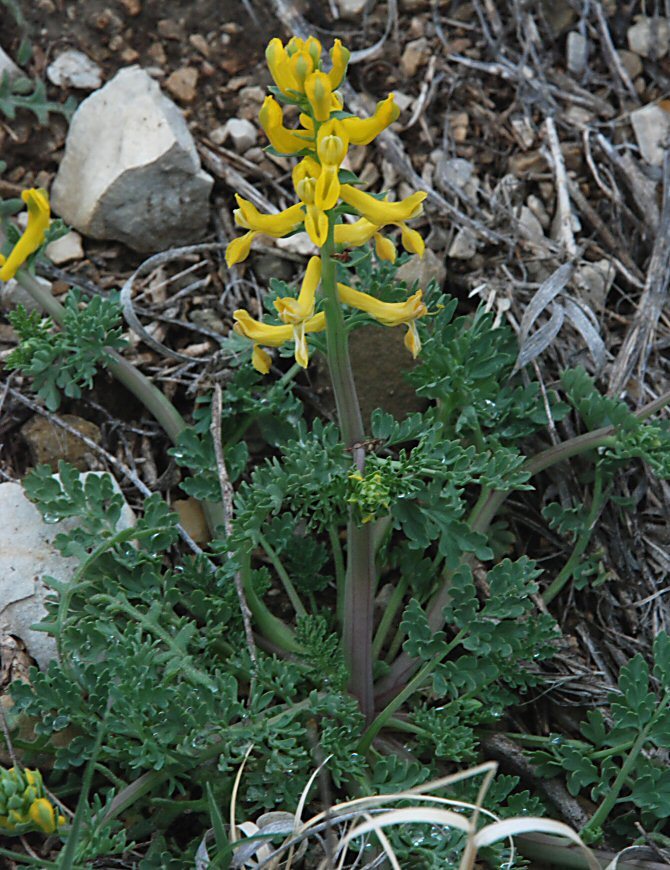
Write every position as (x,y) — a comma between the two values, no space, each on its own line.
(380,211)
(294,311)
(248,217)
(281,138)
(305,175)
(319,92)
(361,131)
(361,231)
(389,313)
(274,336)
(331,147)
(280,67)
(339,56)
(39,217)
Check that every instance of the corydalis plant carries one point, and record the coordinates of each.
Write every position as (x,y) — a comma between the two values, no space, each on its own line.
(325,202)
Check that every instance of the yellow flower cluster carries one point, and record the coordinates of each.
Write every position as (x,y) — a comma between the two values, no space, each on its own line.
(39,216)
(322,140)
(23,802)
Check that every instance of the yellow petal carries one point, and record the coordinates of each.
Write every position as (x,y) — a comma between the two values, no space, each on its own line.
(308,168)
(42,814)
(412,341)
(280,70)
(316,225)
(301,349)
(362,131)
(261,359)
(238,250)
(355,234)
(332,143)
(302,65)
(339,56)
(275,225)
(313,48)
(381,212)
(387,313)
(296,310)
(327,190)
(269,335)
(385,248)
(412,241)
(281,138)
(319,92)
(39,217)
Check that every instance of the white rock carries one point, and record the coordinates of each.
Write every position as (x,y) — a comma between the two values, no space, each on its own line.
(27,553)
(67,248)
(298,243)
(649,37)
(351,8)
(8,66)
(464,245)
(242,133)
(651,125)
(577,51)
(73,69)
(131,171)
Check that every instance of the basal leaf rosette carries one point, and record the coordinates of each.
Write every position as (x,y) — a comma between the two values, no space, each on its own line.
(329,206)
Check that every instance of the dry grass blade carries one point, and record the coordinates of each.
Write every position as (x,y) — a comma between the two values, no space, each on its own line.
(587,328)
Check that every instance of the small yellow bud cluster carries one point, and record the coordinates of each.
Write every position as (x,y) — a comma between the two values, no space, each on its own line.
(24,805)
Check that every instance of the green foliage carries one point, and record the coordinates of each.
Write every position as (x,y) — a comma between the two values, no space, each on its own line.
(63,362)
(25,93)
(627,740)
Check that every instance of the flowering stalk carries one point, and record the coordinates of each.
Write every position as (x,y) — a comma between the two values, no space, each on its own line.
(357,607)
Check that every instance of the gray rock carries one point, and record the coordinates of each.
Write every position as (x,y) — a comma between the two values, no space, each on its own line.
(131,171)
(651,125)
(73,69)
(8,66)
(529,225)
(423,270)
(577,50)
(464,245)
(242,134)
(415,55)
(27,554)
(649,37)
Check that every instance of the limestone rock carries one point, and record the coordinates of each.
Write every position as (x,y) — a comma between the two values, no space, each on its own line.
(182,83)
(73,69)
(464,245)
(423,270)
(65,249)
(651,125)
(27,554)
(649,37)
(242,134)
(131,171)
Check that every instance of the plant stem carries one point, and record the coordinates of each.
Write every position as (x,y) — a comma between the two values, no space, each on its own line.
(340,571)
(287,583)
(598,819)
(357,608)
(387,619)
(582,542)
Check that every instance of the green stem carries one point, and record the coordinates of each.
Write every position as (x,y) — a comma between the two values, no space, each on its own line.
(287,583)
(358,605)
(270,626)
(582,542)
(598,819)
(387,619)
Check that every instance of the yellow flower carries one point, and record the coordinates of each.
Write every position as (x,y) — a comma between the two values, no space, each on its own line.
(331,146)
(274,336)
(281,138)
(389,313)
(275,225)
(319,93)
(305,175)
(362,131)
(381,212)
(385,248)
(339,56)
(295,311)
(39,216)
(360,232)
(280,67)
(42,814)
